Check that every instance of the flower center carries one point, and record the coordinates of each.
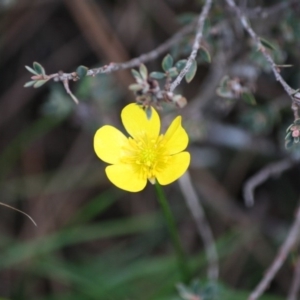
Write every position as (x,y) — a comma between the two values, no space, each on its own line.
(146,155)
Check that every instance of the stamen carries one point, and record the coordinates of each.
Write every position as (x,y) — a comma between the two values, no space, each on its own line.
(147,155)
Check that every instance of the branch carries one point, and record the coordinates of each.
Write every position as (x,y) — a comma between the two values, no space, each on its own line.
(283,252)
(295,287)
(202,224)
(67,88)
(112,67)
(260,177)
(291,92)
(196,45)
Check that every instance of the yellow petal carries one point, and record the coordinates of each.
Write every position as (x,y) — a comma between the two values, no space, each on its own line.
(125,178)
(176,167)
(176,137)
(137,124)
(108,142)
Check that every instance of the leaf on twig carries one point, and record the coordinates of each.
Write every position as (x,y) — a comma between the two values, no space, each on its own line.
(191,72)
(173,72)
(39,83)
(167,62)
(248,98)
(223,92)
(284,66)
(224,81)
(81,71)
(148,112)
(144,71)
(29,83)
(136,74)
(157,75)
(267,44)
(180,64)
(31,70)
(204,54)
(135,87)
(39,68)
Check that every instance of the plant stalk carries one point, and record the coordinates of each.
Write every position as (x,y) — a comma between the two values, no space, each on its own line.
(181,260)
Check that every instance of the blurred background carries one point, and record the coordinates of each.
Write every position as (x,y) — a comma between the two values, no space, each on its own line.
(94,241)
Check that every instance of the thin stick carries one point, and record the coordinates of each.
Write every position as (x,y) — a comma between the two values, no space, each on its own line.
(260,177)
(196,44)
(203,227)
(22,212)
(67,88)
(283,252)
(112,67)
(295,287)
(263,50)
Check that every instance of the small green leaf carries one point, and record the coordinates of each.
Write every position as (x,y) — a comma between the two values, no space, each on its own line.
(29,83)
(135,87)
(224,81)
(224,93)
(284,66)
(81,71)
(167,62)
(143,71)
(180,64)
(248,98)
(136,74)
(192,72)
(157,75)
(204,54)
(267,44)
(31,70)
(148,111)
(39,83)
(288,136)
(39,68)
(173,72)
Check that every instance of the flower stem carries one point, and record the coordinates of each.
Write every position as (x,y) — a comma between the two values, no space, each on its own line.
(182,265)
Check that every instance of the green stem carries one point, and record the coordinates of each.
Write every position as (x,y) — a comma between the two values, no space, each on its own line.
(182,265)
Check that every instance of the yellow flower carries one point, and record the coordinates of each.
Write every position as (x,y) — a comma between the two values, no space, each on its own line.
(145,154)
